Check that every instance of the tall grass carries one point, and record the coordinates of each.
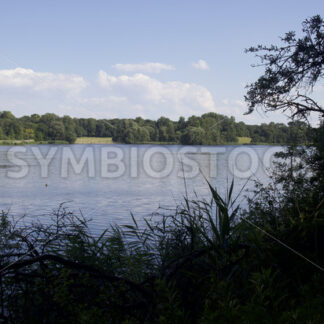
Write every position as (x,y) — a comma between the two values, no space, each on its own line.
(196,264)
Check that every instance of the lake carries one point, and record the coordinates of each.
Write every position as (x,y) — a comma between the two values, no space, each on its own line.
(108,182)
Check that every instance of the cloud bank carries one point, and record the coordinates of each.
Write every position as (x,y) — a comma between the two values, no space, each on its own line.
(172,98)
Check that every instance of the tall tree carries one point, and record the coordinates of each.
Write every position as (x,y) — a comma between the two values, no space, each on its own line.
(291,71)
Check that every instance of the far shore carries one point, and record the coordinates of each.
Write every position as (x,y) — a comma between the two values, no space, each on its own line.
(108,140)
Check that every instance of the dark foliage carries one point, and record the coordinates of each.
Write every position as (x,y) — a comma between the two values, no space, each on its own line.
(291,71)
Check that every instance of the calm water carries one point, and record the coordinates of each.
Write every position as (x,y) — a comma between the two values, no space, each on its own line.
(148,178)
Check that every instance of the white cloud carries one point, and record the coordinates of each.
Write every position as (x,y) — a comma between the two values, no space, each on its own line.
(201,65)
(153,67)
(24,91)
(153,98)
(39,81)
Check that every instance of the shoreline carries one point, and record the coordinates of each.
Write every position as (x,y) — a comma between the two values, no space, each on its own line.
(24,143)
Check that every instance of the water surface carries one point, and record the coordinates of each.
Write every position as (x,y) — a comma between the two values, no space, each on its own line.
(111,199)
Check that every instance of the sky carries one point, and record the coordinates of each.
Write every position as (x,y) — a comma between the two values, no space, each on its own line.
(123,59)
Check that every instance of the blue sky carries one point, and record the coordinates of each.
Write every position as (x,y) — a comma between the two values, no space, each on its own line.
(107,59)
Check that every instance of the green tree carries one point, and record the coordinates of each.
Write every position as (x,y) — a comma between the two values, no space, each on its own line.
(56,130)
(91,127)
(70,136)
(29,133)
(292,203)
(166,129)
(7,115)
(291,71)
(181,124)
(193,136)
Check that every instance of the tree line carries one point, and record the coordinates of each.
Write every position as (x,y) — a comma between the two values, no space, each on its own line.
(208,129)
